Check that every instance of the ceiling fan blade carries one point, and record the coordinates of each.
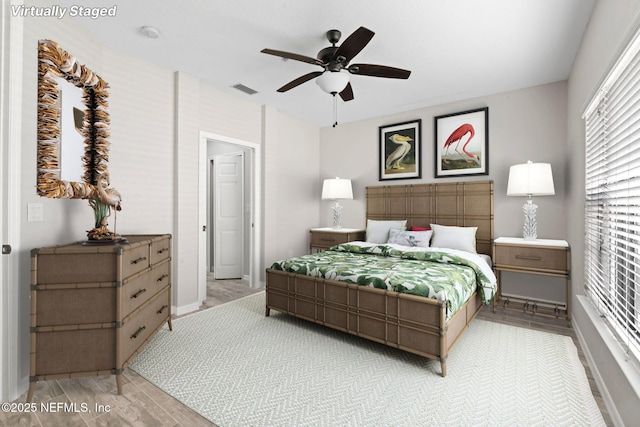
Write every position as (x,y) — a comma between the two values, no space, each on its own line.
(347,93)
(354,44)
(300,80)
(379,71)
(295,56)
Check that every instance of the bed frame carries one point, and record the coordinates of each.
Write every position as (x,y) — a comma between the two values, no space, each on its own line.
(408,322)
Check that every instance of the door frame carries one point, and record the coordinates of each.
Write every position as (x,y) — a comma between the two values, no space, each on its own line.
(254,198)
(11,64)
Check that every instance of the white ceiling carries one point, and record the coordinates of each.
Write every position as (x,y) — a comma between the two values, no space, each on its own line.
(456,49)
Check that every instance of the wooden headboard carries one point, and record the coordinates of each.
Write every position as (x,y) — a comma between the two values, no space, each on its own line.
(463,204)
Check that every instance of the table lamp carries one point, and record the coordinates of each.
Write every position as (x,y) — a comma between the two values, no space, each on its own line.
(530,179)
(336,189)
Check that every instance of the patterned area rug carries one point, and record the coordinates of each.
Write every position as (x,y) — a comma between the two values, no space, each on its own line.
(237,367)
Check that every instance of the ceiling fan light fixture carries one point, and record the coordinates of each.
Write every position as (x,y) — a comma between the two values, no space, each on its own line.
(333,82)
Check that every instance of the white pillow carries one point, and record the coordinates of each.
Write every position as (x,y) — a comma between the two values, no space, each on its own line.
(463,238)
(410,238)
(378,231)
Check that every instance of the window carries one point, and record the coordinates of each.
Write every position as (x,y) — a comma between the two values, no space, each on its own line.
(612,186)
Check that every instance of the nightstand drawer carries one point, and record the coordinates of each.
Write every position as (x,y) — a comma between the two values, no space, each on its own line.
(324,238)
(327,239)
(538,258)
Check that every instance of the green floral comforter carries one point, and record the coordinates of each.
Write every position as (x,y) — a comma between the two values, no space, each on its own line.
(444,274)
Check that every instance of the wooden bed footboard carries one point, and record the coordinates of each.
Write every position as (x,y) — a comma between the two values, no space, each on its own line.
(408,322)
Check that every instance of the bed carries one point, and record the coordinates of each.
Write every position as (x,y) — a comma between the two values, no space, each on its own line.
(425,325)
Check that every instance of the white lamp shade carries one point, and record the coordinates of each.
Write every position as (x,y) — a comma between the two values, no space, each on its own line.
(530,179)
(337,188)
(333,81)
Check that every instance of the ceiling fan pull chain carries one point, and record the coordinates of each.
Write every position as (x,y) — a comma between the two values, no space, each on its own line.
(335,110)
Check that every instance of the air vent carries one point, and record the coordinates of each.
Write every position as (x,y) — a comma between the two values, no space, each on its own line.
(245,89)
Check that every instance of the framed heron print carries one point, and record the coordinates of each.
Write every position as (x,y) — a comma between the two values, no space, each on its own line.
(462,143)
(400,151)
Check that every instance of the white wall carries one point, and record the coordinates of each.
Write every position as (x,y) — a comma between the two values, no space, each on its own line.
(528,124)
(141,106)
(611,26)
(295,188)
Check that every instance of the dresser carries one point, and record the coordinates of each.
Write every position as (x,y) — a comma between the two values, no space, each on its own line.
(323,238)
(544,257)
(93,308)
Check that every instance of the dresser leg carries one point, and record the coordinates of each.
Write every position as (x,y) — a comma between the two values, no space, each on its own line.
(169,324)
(119,383)
(32,389)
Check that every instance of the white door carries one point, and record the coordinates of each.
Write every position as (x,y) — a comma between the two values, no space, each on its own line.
(228,215)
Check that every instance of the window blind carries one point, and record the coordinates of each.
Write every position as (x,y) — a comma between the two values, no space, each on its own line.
(612,187)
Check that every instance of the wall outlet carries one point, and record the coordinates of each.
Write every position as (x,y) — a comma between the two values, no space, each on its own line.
(35,212)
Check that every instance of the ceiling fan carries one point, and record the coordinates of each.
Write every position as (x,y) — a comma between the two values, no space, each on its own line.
(334,59)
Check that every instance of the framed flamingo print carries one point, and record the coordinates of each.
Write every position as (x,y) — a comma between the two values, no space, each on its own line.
(462,143)
(400,151)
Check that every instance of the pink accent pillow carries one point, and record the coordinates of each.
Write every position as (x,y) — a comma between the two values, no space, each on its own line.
(414,228)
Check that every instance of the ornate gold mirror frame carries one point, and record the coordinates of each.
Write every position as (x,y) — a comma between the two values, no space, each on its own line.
(61,124)
(54,64)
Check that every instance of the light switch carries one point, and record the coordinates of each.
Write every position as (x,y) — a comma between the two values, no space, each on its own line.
(35,212)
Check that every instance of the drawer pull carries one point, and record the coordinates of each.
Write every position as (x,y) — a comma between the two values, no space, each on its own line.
(163,308)
(142,258)
(161,278)
(140,292)
(532,258)
(163,250)
(138,332)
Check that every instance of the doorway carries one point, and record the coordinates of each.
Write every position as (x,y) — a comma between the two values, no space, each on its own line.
(227,245)
(251,207)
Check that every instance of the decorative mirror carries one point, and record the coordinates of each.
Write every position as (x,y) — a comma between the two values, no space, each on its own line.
(73,134)
(72,120)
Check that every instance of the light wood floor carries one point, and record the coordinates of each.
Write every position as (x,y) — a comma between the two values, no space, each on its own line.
(143,404)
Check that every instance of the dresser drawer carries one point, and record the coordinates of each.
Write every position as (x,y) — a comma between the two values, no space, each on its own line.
(531,257)
(159,250)
(139,327)
(134,260)
(55,305)
(84,350)
(141,287)
(56,266)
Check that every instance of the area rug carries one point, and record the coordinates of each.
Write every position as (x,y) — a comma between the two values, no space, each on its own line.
(236,367)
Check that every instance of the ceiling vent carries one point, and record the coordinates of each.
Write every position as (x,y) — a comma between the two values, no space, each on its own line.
(245,89)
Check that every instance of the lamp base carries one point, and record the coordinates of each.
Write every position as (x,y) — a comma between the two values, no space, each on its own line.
(337,216)
(530,228)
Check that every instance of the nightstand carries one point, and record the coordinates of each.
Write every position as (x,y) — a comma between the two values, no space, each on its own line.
(323,238)
(542,257)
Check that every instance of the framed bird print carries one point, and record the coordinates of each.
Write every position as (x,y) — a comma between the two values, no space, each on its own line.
(400,151)
(462,143)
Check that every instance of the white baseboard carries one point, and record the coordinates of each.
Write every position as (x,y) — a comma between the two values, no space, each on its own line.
(184,309)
